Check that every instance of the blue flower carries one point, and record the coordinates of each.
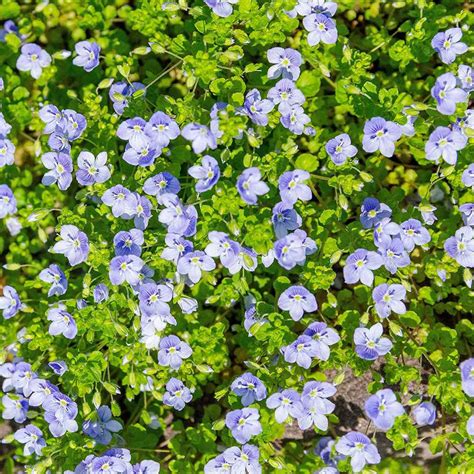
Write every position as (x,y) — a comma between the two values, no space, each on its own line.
(369,342)
(297,300)
(33,59)
(317,393)
(138,208)
(467,211)
(292,249)
(175,215)
(14,408)
(200,136)
(467,176)
(372,212)
(223,247)
(467,376)
(301,351)
(51,117)
(71,124)
(87,55)
(256,108)
(129,242)
(154,299)
(321,28)
(306,7)
(40,390)
(340,149)
(32,437)
(162,129)
(359,448)
(292,187)
(61,322)
(59,367)
(447,94)
(385,229)
(193,263)
(101,428)
(285,92)
(380,134)
(250,388)
(293,118)
(172,352)
(314,414)
(142,154)
(10,303)
(394,255)
(424,414)
(7,201)
(60,166)
(101,293)
(92,169)
(207,174)
(176,247)
(360,265)
(133,131)
(461,247)
(74,244)
(286,63)
(7,152)
(448,44)
(160,184)
(250,185)
(125,268)
(285,403)
(413,233)
(243,424)
(284,219)
(177,394)
(445,143)
(323,337)
(54,275)
(382,408)
(119,92)
(466,76)
(389,298)
(222,8)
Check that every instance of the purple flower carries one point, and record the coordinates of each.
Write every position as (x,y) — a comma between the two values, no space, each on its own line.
(40,391)
(74,244)
(256,108)
(340,149)
(470,426)
(32,438)
(91,169)
(223,247)
(369,342)
(119,92)
(428,215)
(292,249)
(467,211)
(394,255)
(250,185)
(133,131)
(120,199)
(174,214)
(154,299)
(23,377)
(177,246)
(162,129)
(71,124)
(139,209)
(413,233)
(125,268)
(10,302)
(207,174)
(297,300)
(160,184)
(317,394)
(200,136)
(61,322)
(87,55)
(7,201)
(14,408)
(101,293)
(33,58)
(372,212)
(306,7)
(324,337)
(193,263)
(448,45)
(389,298)
(467,376)
(461,247)
(177,394)
(359,266)
(246,258)
(468,176)
(129,242)
(146,467)
(424,414)
(172,352)
(380,134)
(141,154)
(287,403)
(446,94)
(285,92)
(445,143)
(359,448)
(10,27)
(293,118)
(250,388)
(54,275)
(321,28)
(285,218)
(286,63)
(385,230)
(324,449)
(314,414)
(222,8)
(59,367)
(7,152)
(301,351)
(60,165)
(292,187)
(108,465)
(382,408)
(243,424)
(101,428)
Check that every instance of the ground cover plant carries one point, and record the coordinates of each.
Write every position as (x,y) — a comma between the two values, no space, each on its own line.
(237,236)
